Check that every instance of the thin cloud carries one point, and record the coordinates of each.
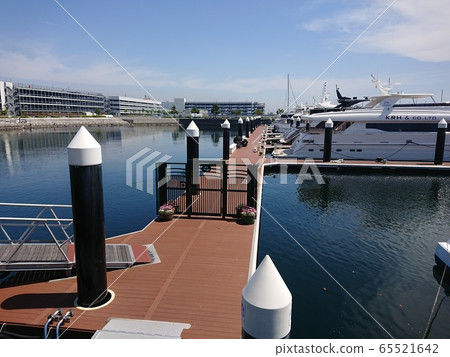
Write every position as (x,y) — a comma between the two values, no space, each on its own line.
(416,30)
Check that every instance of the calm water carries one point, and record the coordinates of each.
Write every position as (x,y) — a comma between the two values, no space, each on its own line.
(34,168)
(374,234)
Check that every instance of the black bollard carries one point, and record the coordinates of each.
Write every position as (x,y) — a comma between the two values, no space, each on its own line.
(240,127)
(226,139)
(327,140)
(85,163)
(440,142)
(247,127)
(252,124)
(192,151)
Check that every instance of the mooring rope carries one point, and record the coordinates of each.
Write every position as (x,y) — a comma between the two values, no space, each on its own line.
(329,274)
(427,329)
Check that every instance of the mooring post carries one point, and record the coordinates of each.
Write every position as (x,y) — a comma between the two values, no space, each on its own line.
(192,151)
(226,139)
(266,304)
(240,128)
(440,142)
(327,140)
(238,138)
(252,185)
(161,184)
(247,127)
(252,124)
(85,164)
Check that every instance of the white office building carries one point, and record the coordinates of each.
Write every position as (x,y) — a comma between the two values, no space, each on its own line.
(6,98)
(35,100)
(118,105)
(226,108)
(178,103)
(229,108)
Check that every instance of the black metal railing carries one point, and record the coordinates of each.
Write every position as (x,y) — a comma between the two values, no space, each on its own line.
(206,187)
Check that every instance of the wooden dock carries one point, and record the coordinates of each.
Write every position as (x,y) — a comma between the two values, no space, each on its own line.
(204,265)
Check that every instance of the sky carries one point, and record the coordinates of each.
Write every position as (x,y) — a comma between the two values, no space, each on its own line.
(216,50)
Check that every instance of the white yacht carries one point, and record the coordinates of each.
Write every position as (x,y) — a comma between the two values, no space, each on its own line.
(380,130)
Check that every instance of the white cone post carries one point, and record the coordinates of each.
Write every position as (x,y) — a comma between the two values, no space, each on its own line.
(85,164)
(266,304)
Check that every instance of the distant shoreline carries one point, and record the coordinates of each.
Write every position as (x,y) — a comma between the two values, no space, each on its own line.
(63,122)
(14,124)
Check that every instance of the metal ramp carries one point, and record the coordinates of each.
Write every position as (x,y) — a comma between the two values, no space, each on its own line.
(50,256)
(34,256)
(57,252)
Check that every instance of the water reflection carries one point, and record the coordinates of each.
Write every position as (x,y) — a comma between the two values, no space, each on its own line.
(390,196)
(376,235)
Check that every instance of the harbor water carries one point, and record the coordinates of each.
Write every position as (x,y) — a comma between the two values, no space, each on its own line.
(357,252)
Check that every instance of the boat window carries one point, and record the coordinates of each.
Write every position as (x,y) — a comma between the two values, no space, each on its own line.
(421,127)
(358,150)
(338,150)
(311,150)
(352,150)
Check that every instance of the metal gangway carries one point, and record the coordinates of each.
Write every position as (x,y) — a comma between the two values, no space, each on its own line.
(43,241)
(46,242)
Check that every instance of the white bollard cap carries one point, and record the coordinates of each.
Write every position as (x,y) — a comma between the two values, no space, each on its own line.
(266,303)
(225,124)
(192,130)
(84,150)
(247,119)
(329,123)
(442,124)
(240,121)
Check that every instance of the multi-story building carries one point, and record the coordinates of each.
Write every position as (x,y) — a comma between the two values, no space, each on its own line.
(32,100)
(6,98)
(118,105)
(26,99)
(229,108)
(226,108)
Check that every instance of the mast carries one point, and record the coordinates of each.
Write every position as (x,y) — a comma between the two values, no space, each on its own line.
(288,93)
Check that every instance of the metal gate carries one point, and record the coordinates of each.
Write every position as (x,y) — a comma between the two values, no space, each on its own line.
(206,187)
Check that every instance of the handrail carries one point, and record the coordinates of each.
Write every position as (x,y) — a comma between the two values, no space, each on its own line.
(33,205)
(18,219)
(33,223)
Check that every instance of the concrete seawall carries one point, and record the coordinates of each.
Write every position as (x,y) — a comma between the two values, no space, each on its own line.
(34,123)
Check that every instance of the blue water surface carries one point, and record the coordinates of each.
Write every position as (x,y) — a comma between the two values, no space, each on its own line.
(357,253)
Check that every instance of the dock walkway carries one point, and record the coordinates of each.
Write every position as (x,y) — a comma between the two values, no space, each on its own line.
(204,264)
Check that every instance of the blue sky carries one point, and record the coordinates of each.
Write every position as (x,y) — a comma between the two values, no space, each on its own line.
(228,50)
